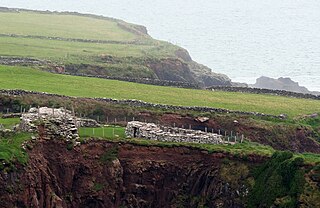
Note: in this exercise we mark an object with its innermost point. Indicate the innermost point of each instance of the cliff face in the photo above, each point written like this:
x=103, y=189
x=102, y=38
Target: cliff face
x=102, y=174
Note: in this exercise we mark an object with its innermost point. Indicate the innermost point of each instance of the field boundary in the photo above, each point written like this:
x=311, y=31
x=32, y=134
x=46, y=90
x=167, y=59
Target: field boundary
x=139, y=103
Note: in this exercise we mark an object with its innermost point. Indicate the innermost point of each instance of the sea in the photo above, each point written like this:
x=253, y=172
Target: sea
x=244, y=39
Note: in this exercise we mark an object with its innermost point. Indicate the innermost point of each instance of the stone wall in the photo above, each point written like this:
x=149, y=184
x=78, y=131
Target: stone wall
x=148, y=81
x=264, y=91
x=151, y=131
x=139, y=103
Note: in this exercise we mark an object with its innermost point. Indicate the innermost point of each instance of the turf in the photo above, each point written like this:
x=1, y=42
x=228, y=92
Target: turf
x=59, y=25
x=32, y=79
x=78, y=52
x=9, y=122
x=103, y=132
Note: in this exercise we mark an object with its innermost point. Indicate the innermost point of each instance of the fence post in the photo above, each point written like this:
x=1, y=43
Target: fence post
x=103, y=131
x=93, y=131
x=113, y=132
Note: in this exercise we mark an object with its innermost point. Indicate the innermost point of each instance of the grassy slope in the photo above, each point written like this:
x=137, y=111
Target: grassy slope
x=58, y=25
x=77, y=52
x=31, y=79
x=73, y=26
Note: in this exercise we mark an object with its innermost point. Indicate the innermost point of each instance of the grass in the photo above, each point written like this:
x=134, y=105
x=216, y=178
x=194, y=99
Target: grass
x=58, y=25
x=103, y=132
x=11, y=78
x=75, y=27
x=11, y=150
x=78, y=52
x=9, y=122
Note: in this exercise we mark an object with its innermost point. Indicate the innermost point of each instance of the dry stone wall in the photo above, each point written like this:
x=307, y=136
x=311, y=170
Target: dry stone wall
x=265, y=91
x=139, y=103
x=151, y=131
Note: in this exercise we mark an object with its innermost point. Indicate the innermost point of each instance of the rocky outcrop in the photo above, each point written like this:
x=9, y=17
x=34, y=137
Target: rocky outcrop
x=206, y=77
x=282, y=84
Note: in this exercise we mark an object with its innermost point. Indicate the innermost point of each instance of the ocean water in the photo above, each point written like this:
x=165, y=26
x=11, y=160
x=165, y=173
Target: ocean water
x=244, y=39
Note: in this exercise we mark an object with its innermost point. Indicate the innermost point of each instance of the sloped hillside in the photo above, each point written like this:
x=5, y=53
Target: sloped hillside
x=96, y=45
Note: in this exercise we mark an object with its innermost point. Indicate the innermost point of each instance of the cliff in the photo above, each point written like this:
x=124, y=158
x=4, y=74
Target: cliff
x=104, y=174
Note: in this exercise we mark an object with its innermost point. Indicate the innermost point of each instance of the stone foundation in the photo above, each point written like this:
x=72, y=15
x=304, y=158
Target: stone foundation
x=151, y=131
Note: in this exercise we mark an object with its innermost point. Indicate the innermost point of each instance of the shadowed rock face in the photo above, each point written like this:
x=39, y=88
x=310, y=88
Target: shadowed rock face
x=281, y=84
x=102, y=174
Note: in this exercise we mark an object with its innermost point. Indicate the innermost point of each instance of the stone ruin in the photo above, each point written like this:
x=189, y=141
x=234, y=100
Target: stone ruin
x=151, y=131
x=50, y=123
x=53, y=123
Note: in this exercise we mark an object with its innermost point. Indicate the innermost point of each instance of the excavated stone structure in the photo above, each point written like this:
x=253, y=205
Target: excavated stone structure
x=50, y=123
x=151, y=131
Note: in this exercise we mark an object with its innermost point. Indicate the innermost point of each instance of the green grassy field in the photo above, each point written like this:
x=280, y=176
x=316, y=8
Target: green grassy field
x=62, y=25
x=9, y=122
x=31, y=79
x=103, y=132
x=75, y=27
